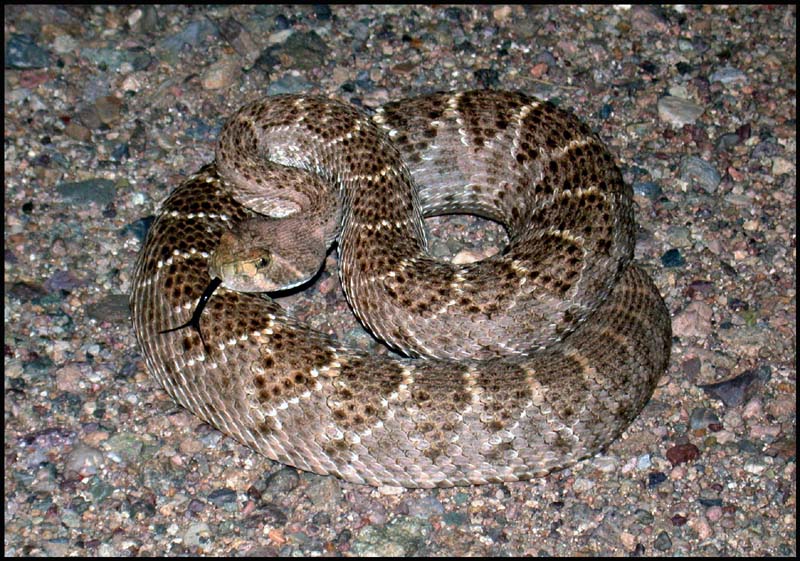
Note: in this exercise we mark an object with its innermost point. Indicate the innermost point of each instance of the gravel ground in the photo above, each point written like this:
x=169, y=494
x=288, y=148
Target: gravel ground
x=108, y=108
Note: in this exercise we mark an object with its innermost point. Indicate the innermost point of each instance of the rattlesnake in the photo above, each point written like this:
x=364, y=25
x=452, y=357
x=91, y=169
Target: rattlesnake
x=520, y=364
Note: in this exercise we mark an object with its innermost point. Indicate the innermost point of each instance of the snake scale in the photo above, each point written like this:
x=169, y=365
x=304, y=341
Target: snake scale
x=517, y=365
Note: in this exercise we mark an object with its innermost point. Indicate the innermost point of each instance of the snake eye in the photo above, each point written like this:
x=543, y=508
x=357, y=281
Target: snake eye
x=262, y=262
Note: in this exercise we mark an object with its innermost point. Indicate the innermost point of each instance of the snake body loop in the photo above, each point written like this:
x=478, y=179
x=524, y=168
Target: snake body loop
x=526, y=362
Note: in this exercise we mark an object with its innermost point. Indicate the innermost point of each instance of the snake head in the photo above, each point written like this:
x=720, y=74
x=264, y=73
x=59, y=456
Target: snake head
x=267, y=255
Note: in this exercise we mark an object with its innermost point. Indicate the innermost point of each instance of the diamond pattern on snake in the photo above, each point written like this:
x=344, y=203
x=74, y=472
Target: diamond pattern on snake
x=511, y=367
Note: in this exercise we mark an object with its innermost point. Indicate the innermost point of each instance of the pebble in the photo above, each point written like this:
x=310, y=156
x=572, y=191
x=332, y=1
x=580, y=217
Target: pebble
x=702, y=527
x=662, y=542
x=198, y=536
x=63, y=280
x=694, y=321
x=765, y=149
x=424, y=507
x=702, y=417
x=647, y=189
x=714, y=513
x=108, y=109
x=782, y=407
x=68, y=378
x=113, y=308
x=281, y=22
x=501, y=13
x=678, y=111
x=582, y=485
x=287, y=84
x=78, y=132
x=697, y=171
x=682, y=453
x=655, y=479
x=728, y=141
x=733, y=392
x=304, y=50
x=126, y=446
x=673, y=258
x=781, y=166
x=752, y=409
x=64, y=44
x=402, y=537
x=99, y=191
x=192, y=35
x=221, y=74
x=728, y=75
x=280, y=483
x=223, y=498
x=84, y=460
x=755, y=466
x=22, y=52
x=322, y=491
x=678, y=236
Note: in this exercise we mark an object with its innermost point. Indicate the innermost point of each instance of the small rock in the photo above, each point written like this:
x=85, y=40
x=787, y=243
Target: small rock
x=728, y=75
x=501, y=13
x=647, y=189
x=220, y=75
x=222, y=498
x=83, y=460
x=68, y=378
x=107, y=109
x=714, y=513
x=781, y=166
x=678, y=111
x=582, y=485
x=125, y=445
x=63, y=44
x=78, y=132
x=697, y=170
x=755, y=466
x=100, y=191
x=701, y=418
x=22, y=53
x=783, y=407
x=682, y=453
x=112, y=308
x=282, y=482
x=198, y=535
x=323, y=490
x=766, y=149
x=734, y=391
x=656, y=478
x=404, y=536
x=307, y=50
x=694, y=321
x=288, y=84
x=752, y=409
x=63, y=280
x=662, y=542
x=678, y=520
x=672, y=258
x=424, y=507
x=322, y=11
x=702, y=527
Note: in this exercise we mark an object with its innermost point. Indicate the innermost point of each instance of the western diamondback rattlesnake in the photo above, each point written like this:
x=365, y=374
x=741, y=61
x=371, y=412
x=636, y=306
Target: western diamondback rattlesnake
x=533, y=359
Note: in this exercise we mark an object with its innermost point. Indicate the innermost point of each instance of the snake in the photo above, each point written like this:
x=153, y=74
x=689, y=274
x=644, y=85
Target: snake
x=504, y=369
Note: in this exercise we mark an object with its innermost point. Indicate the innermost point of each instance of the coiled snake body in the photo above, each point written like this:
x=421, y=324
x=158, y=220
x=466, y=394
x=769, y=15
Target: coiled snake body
x=523, y=363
